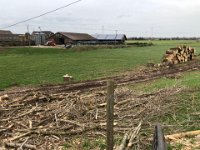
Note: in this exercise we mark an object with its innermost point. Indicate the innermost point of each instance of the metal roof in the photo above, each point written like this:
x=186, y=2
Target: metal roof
x=45, y=32
x=109, y=36
x=77, y=36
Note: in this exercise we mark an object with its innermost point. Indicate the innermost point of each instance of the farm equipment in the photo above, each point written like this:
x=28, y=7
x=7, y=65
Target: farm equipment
x=178, y=55
x=50, y=43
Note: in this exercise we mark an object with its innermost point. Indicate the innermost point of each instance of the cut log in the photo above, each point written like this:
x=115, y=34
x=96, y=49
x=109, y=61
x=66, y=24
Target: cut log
x=175, y=60
x=169, y=52
x=67, y=78
x=182, y=134
x=4, y=97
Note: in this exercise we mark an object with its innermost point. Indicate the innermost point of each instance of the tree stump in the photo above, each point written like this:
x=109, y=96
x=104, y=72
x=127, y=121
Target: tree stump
x=67, y=78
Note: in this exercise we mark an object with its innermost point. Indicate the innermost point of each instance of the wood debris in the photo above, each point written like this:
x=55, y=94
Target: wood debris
x=188, y=140
x=182, y=134
x=49, y=120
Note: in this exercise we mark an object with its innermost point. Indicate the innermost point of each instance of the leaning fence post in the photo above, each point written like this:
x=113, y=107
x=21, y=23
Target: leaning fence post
x=110, y=114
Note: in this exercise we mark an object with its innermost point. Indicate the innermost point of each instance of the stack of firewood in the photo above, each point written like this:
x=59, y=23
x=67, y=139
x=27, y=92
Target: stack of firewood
x=178, y=55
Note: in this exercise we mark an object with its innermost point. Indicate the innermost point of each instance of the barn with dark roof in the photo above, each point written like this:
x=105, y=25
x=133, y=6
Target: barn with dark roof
x=72, y=38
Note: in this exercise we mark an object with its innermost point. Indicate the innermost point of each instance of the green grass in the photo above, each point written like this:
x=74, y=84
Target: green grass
x=34, y=66
x=168, y=42
x=187, y=80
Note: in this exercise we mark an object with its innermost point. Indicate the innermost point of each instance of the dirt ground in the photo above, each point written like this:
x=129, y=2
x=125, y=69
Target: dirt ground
x=49, y=116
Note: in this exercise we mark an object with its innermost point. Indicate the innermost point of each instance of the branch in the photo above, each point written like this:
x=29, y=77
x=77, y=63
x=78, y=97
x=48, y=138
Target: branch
x=134, y=134
x=17, y=145
x=182, y=134
x=71, y=122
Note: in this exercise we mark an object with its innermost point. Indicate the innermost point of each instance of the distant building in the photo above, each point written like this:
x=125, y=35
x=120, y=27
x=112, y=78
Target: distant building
x=73, y=38
x=38, y=38
x=5, y=32
x=41, y=37
x=110, y=38
x=7, y=38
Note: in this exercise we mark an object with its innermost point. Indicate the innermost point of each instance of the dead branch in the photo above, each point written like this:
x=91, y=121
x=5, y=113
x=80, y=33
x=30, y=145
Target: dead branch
x=71, y=122
x=6, y=129
x=134, y=135
x=17, y=145
x=123, y=102
x=20, y=136
x=21, y=147
x=58, y=133
x=128, y=140
x=124, y=142
x=182, y=134
x=101, y=105
x=24, y=114
x=196, y=113
x=132, y=116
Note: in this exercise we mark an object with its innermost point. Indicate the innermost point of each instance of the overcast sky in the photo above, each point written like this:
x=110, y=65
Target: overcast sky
x=157, y=18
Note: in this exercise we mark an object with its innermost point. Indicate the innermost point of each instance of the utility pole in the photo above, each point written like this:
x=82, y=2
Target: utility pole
x=29, y=43
x=115, y=35
x=152, y=32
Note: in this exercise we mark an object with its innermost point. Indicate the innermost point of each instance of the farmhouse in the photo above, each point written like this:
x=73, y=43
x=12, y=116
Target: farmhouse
x=110, y=38
x=73, y=38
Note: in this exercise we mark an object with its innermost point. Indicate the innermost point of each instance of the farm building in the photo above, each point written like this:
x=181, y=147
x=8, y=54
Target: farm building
x=110, y=38
x=41, y=37
x=73, y=38
x=7, y=38
x=5, y=32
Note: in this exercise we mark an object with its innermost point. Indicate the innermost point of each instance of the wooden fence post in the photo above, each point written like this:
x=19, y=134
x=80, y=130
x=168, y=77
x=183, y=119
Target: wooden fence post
x=110, y=114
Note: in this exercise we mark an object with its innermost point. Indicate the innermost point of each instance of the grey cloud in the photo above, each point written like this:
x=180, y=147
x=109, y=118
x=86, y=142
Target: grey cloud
x=134, y=18
x=123, y=16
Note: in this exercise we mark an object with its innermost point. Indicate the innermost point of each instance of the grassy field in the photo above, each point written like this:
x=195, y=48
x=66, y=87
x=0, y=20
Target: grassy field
x=35, y=66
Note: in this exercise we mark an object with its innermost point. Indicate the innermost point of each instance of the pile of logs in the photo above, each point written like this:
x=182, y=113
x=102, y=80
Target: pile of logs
x=178, y=55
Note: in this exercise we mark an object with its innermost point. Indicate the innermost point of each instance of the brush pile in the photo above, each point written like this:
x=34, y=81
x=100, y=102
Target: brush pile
x=38, y=120
x=178, y=55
